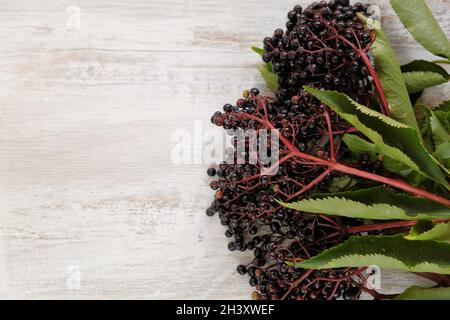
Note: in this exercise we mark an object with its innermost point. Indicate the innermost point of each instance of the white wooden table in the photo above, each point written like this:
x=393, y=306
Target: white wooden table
x=86, y=183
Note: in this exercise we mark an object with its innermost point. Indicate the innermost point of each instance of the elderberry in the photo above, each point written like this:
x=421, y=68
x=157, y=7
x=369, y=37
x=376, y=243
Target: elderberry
x=211, y=172
x=310, y=35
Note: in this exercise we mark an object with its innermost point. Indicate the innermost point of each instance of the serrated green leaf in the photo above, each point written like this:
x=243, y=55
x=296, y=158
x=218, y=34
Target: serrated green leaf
x=443, y=153
x=419, y=20
x=391, y=78
x=421, y=74
x=426, y=127
x=417, y=293
x=439, y=125
x=425, y=66
x=394, y=139
x=421, y=227
x=390, y=252
x=427, y=230
x=378, y=203
x=439, y=132
x=270, y=78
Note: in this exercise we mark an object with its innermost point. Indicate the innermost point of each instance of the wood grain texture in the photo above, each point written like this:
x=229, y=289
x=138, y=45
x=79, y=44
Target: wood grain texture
x=86, y=118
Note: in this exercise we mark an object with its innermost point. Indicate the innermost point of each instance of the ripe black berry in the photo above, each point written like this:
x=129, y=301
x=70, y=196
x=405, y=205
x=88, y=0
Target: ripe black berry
x=274, y=226
x=211, y=172
x=254, y=92
x=267, y=57
x=365, y=157
x=278, y=33
x=210, y=212
x=214, y=185
x=241, y=269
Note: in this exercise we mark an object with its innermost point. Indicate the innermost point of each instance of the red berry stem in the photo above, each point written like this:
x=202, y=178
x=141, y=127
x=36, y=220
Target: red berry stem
x=368, y=63
x=335, y=166
x=297, y=282
x=330, y=135
x=350, y=130
x=377, y=295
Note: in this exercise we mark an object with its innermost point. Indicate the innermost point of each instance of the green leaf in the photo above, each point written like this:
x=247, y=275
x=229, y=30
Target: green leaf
x=417, y=293
x=427, y=137
x=391, y=78
x=418, y=80
x=440, y=124
x=444, y=106
x=421, y=74
x=258, y=50
x=378, y=203
x=270, y=78
x=425, y=66
x=342, y=183
x=421, y=227
x=440, y=134
x=359, y=146
x=427, y=230
x=443, y=153
x=266, y=70
x=390, y=252
x=444, y=118
x=394, y=139
x=419, y=20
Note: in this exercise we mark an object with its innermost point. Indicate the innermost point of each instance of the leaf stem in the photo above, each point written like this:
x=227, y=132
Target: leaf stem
x=350, y=130
x=441, y=61
x=363, y=174
x=387, y=225
x=296, y=283
x=392, y=182
x=381, y=226
x=335, y=166
x=377, y=295
x=330, y=135
x=311, y=184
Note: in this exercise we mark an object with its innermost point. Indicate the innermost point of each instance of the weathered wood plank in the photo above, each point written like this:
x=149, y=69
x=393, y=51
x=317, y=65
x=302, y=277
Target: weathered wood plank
x=86, y=119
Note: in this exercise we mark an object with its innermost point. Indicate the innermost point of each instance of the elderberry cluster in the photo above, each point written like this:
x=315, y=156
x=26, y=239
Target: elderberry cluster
x=246, y=201
x=311, y=49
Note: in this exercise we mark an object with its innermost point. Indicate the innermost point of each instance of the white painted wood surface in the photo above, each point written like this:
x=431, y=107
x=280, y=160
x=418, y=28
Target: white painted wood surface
x=85, y=123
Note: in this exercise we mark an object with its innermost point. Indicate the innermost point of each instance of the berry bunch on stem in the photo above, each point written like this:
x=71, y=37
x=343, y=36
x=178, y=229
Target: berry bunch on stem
x=324, y=46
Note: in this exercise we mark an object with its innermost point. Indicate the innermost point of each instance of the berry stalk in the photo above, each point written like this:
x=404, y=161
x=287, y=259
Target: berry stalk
x=335, y=166
x=368, y=63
